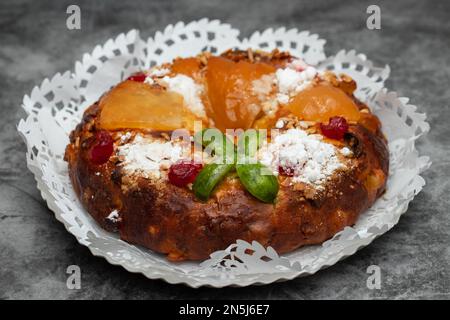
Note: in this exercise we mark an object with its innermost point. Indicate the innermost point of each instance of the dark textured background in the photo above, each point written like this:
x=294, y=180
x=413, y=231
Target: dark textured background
x=35, y=249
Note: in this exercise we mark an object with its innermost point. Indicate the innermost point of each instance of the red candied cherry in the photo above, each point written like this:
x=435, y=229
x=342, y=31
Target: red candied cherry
x=183, y=172
x=103, y=147
x=335, y=129
x=286, y=171
x=138, y=77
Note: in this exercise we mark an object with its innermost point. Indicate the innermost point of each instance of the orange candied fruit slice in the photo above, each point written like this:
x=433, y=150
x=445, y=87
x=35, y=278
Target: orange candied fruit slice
x=321, y=102
x=188, y=66
x=232, y=103
x=135, y=105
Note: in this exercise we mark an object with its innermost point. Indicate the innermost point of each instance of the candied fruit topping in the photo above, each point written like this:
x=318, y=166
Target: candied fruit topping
x=286, y=171
x=335, y=129
x=188, y=66
x=230, y=91
x=321, y=102
x=136, y=105
x=184, y=172
x=138, y=77
x=103, y=148
x=229, y=99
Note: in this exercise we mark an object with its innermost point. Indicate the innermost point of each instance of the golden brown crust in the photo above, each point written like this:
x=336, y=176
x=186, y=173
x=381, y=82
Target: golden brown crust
x=170, y=220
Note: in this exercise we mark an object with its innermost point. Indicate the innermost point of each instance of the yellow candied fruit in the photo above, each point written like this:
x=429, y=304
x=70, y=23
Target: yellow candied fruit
x=135, y=105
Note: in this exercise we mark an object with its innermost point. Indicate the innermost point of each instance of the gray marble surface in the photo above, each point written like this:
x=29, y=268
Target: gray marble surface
x=35, y=249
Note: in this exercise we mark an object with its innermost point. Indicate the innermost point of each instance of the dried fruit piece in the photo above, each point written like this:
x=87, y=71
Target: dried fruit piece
x=136, y=105
x=184, y=172
x=211, y=175
x=233, y=103
x=188, y=66
x=138, y=77
x=102, y=149
x=258, y=181
x=335, y=129
x=321, y=102
x=286, y=171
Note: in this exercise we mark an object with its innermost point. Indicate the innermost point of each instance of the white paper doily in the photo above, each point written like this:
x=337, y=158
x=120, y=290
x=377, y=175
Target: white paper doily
x=56, y=106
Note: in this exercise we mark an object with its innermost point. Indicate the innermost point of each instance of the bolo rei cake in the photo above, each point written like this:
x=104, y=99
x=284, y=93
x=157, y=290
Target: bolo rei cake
x=187, y=157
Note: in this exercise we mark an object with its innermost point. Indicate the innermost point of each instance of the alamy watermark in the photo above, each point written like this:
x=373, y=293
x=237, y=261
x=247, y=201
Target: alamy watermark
x=373, y=22
x=234, y=146
x=74, y=279
x=73, y=21
x=374, y=280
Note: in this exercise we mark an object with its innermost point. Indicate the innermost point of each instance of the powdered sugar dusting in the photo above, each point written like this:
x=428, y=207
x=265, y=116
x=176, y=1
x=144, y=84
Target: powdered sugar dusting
x=278, y=88
x=263, y=86
x=346, y=152
x=292, y=80
x=159, y=72
x=113, y=216
x=298, y=64
x=147, y=157
x=311, y=159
